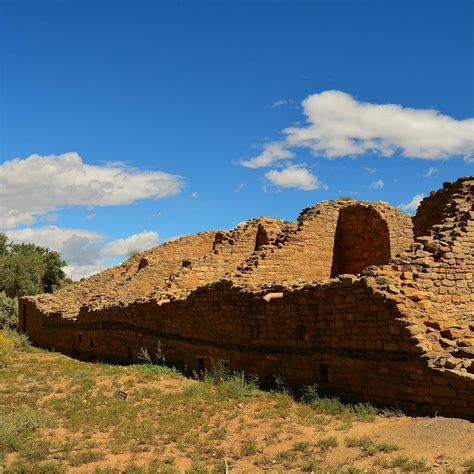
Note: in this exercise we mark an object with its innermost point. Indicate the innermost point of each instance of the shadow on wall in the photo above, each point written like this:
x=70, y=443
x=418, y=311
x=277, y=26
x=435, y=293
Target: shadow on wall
x=362, y=239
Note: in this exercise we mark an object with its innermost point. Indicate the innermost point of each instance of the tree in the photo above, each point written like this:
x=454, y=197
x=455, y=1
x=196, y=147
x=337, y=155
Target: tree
x=27, y=269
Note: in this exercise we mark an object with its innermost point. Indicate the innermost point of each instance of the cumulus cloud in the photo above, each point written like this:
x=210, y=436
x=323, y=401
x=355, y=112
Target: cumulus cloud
x=413, y=204
x=339, y=125
x=294, y=176
x=83, y=250
x=272, y=152
x=133, y=244
x=379, y=184
x=14, y=218
x=75, y=245
x=41, y=184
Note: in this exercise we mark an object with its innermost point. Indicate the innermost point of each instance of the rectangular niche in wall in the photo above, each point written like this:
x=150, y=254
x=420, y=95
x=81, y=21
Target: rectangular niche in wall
x=201, y=364
x=300, y=332
x=324, y=373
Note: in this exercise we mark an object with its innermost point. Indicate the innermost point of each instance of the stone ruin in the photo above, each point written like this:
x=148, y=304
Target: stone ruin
x=356, y=297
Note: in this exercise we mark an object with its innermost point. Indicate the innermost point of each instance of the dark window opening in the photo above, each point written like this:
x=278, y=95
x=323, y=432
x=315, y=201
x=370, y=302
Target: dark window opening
x=225, y=364
x=201, y=364
x=301, y=331
x=91, y=342
x=80, y=338
x=255, y=332
x=324, y=373
x=262, y=237
x=129, y=354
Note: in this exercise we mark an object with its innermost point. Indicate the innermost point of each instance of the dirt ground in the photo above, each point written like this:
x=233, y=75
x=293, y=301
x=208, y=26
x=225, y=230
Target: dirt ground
x=61, y=415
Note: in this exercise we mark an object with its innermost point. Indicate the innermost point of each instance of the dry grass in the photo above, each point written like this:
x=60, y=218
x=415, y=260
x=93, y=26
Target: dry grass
x=61, y=415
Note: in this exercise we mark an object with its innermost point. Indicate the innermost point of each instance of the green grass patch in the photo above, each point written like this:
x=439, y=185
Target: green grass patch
x=404, y=464
x=368, y=446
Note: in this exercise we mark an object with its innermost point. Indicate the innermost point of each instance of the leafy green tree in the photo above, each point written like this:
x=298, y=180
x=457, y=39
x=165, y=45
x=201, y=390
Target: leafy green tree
x=20, y=274
x=53, y=273
x=27, y=269
x=3, y=244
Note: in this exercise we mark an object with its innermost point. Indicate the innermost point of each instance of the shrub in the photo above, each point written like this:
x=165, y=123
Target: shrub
x=6, y=349
x=8, y=312
x=19, y=341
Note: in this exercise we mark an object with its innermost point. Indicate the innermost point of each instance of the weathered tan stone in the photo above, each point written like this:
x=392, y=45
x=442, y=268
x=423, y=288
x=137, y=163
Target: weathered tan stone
x=345, y=297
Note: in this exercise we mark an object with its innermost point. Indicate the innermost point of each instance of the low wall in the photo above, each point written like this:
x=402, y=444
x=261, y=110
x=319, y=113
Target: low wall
x=344, y=335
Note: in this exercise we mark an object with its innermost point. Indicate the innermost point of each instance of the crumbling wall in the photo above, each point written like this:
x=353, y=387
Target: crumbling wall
x=331, y=238
x=230, y=249
x=400, y=333
x=138, y=277
x=347, y=335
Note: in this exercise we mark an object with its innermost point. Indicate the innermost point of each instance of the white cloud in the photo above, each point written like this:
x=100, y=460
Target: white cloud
x=431, y=171
x=133, y=244
x=294, y=176
x=13, y=218
x=77, y=246
x=272, y=152
x=379, y=184
x=413, y=204
x=83, y=250
x=91, y=216
x=76, y=272
x=281, y=103
x=239, y=188
x=195, y=195
x=41, y=184
x=371, y=170
x=339, y=125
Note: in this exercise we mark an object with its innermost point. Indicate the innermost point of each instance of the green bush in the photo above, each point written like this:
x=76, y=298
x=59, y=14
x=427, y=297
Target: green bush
x=8, y=312
x=6, y=350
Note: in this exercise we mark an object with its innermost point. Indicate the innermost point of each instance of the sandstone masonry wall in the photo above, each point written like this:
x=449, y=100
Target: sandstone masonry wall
x=346, y=334
x=260, y=298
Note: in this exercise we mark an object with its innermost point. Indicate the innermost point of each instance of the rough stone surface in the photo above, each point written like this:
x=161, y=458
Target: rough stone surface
x=354, y=296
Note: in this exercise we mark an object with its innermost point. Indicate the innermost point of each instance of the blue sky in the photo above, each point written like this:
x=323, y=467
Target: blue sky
x=146, y=116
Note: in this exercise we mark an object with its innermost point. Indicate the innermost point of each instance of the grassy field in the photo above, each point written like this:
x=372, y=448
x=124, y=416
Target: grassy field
x=62, y=415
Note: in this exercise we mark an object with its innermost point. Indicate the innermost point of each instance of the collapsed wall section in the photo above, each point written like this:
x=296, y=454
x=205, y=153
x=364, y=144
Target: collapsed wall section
x=136, y=278
x=230, y=249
